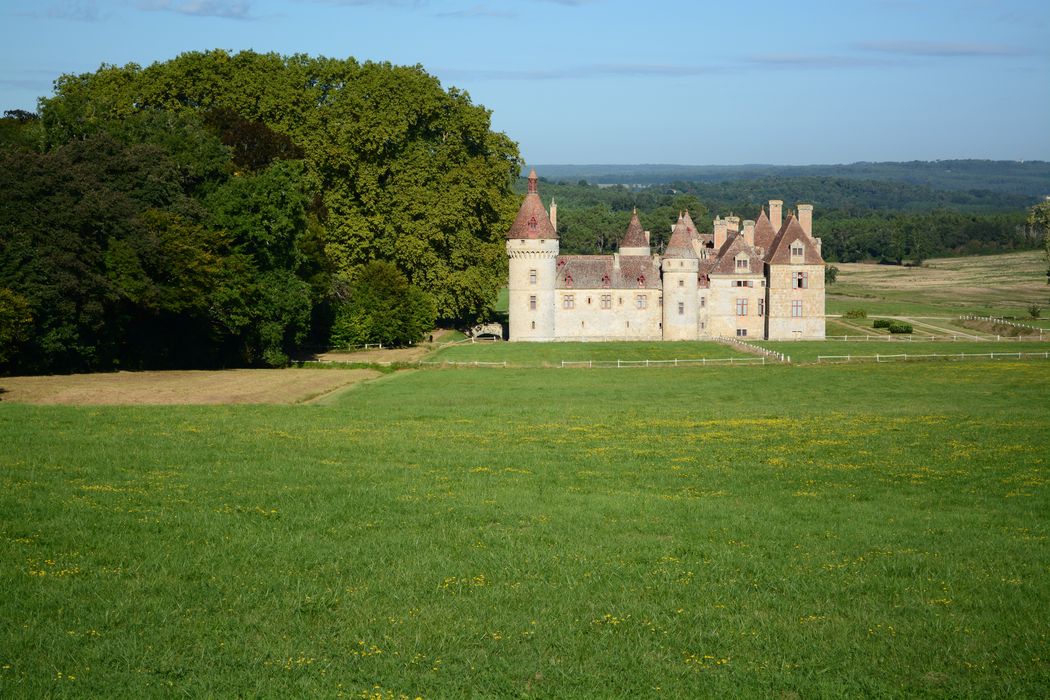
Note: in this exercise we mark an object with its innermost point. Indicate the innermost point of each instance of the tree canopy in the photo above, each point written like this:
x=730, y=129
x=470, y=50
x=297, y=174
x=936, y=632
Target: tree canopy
x=210, y=208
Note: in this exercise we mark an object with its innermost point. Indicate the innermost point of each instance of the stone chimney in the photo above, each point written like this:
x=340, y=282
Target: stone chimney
x=805, y=218
x=721, y=227
x=776, y=212
x=554, y=214
x=749, y=232
x=647, y=238
x=616, y=261
x=734, y=223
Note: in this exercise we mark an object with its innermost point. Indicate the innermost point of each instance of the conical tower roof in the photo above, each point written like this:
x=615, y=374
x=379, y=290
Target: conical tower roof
x=635, y=236
x=532, y=221
x=680, y=244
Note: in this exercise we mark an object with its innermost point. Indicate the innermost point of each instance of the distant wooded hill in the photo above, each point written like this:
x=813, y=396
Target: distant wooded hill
x=1030, y=178
x=889, y=221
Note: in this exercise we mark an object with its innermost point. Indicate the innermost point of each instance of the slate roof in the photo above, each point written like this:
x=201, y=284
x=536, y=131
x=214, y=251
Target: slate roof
x=532, y=221
x=598, y=272
x=635, y=236
x=779, y=252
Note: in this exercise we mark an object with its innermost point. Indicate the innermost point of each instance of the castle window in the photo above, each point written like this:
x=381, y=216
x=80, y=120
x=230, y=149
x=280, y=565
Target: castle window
x=605, y=281
x=568, y=280
x=741, y=307
x=761, y=307
x=681, y=283
x=533, y=325
x=703, y=302
x=532, y=224
x=641, y=280
x=796, y=250
x=796, y=308
x=743, y=264
x=681, y=308
x=621, y=301
x=532, y=303
x=606, y=301
x=628, y=324
x=702, y=325
x=741, y=332
x=799, y=280
x=532, y=277
x=568, y=301
x=641, y=301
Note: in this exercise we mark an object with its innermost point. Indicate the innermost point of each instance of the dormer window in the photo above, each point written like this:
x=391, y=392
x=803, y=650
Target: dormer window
x=605, y=281
x=743, y=264
x=641, y=280
x=533, y=225
x=796, y=250
x=568, y=280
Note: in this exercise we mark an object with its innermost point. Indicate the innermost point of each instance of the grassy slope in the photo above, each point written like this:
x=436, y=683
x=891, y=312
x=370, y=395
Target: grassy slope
x=847, y=530
x=995, y=285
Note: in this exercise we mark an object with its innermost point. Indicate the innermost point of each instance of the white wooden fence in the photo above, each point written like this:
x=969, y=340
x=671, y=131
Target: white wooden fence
x=934, y=356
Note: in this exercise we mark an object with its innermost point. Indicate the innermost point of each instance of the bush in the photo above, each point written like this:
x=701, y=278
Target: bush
x=856, y=313
x=1035, y=310
x=383, y=308
x=899, y=327
x=881, y=323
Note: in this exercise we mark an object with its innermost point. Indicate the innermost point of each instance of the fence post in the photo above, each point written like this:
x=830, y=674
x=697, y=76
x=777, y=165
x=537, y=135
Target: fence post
x=876, y=358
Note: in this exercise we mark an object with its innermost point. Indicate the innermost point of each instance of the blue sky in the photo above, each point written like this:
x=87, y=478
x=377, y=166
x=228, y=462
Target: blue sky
x=615, y=81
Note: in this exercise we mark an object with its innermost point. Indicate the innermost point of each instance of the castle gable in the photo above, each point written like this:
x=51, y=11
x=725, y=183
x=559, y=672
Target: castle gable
x=736, y=249
x=792, y=235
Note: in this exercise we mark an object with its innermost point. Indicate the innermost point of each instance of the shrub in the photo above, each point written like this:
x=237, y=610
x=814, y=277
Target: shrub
x=899, y=327
x=856, y=313
x=383, y=308
x=1035, y=310
x=881, y=323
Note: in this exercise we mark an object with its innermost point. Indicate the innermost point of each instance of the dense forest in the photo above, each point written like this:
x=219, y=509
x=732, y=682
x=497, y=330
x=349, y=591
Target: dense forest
x=219, y=209
x=856, y=219
x=1031, y=177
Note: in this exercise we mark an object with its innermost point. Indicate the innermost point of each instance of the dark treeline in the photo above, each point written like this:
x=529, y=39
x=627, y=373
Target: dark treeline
x=1031, y=178
x=222, y=210
x=857, y=219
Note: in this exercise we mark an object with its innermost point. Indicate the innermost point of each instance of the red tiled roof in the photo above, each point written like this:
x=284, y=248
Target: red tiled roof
x=598, y=272
x=779, y=252
x=764, y=233
x=734, y=245
x=680, y=243
x=533, y=220
x=635, y=236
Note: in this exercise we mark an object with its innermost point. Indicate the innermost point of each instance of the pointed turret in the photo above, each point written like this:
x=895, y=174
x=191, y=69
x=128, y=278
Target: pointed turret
x=532, y=221
x=634, y=241
x=680, y=244
x=764, y=232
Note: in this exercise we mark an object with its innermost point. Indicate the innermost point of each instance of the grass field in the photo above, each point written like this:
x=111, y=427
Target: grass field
x=809, y=351
x=786, y=531
x=534, y=354
x=988, y=285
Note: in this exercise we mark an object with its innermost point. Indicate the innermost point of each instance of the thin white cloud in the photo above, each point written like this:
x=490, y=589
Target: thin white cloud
x=589, y=71
x=478, y=11
x=941, y=48
x=224, y=9
x=78, y=10
x=815, y=61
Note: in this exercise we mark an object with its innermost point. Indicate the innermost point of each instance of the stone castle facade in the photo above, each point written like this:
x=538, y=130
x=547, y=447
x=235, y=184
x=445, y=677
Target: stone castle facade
x=764, y=280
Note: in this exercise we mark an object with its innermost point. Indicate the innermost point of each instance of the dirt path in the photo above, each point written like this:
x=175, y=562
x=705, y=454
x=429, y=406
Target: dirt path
x=235, y=386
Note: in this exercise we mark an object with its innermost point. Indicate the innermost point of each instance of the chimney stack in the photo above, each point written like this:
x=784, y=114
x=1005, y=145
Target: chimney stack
x=734, y=223
x=554, y=214
x=749, y=232
x=776, y=210
x=647, y=238
x=721, y=228
x=805, y=218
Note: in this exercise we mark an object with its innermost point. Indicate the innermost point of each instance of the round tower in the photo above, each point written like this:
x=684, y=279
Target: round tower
x=532, y=249
x=681, y=267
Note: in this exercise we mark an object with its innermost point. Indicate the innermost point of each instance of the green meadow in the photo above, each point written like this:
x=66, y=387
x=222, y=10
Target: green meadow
x=779, y=531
